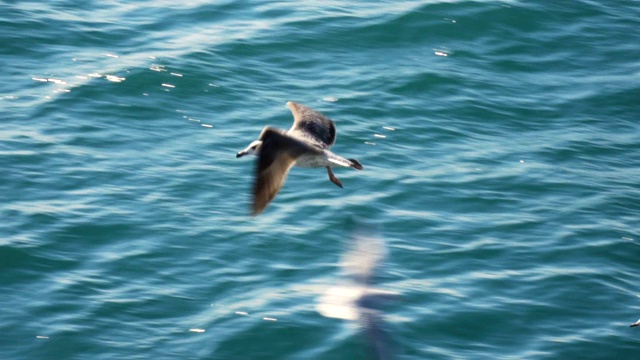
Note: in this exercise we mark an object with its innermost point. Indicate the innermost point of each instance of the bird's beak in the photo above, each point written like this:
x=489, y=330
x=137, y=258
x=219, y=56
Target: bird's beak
x=637, y=323
x=240, y=154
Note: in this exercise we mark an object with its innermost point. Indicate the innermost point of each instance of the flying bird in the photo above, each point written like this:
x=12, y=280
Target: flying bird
x=306, y=144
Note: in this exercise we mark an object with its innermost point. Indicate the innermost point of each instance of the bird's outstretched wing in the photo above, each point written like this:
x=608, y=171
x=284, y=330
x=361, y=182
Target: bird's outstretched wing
x=312, y=125
x=278, y=153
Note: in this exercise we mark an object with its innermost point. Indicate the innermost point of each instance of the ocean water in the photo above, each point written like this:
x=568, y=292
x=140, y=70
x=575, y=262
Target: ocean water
x=501, y=150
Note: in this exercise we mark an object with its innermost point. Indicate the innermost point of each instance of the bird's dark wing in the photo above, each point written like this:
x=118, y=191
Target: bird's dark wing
x=312, y=125
x=278, y=153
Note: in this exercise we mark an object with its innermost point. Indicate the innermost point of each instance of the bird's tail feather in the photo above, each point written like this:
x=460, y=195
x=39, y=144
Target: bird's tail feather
x=356, y=164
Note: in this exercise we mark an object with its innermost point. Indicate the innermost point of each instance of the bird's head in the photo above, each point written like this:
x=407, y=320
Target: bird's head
x=252, y=149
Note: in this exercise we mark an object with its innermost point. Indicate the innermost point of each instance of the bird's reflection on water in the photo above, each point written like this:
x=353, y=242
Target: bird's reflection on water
x=355, y=298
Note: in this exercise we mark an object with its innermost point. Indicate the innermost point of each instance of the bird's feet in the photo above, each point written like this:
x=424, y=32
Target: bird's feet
x=333, y=178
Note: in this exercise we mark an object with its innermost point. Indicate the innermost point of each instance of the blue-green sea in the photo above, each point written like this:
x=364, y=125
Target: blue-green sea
x=501, y=149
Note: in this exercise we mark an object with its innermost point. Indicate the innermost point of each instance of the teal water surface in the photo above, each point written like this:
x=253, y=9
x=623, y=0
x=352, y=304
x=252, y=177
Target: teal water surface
x=501, y=150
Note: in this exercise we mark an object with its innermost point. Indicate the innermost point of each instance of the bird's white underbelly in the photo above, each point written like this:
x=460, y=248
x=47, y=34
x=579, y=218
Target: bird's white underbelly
x=313, y=161
x=325, y=159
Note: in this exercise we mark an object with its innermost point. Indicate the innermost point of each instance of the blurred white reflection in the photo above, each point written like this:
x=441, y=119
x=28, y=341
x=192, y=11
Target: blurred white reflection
x=158, y=68
x=114, y=78
x=441, y=52
x=354, y=298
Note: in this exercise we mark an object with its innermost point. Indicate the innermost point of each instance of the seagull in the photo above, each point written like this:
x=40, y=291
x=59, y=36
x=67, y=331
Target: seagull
x=637, y=323
x=354, y=298
x=306, y=144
